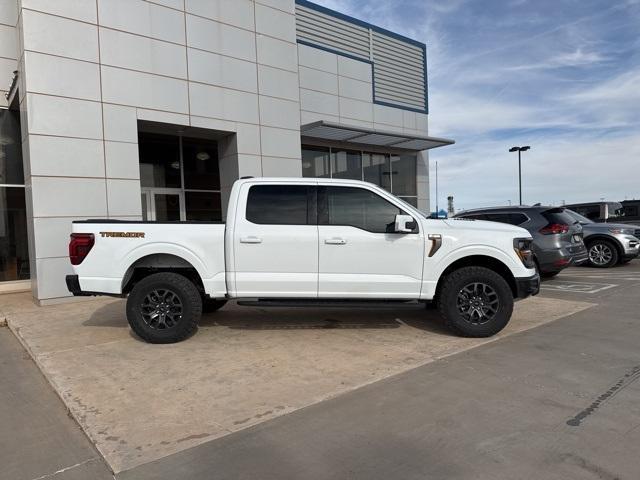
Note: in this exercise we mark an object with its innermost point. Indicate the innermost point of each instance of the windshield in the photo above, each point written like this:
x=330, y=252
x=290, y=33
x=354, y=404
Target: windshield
x=409, y=207
x=578, y=217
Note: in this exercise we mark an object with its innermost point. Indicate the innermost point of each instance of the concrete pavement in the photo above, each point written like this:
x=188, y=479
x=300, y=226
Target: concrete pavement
x=556, y=402
x=38, y=440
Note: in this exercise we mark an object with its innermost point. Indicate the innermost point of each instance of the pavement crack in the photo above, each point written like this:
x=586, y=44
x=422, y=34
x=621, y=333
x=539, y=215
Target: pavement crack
x=626, y=380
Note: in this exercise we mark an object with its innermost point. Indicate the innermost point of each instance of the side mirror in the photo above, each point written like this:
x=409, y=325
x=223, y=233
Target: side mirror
x=405, y=224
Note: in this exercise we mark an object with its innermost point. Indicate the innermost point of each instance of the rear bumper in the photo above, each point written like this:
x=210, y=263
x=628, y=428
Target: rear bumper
x=527, y=286
x=558, y=259
x=73, y=285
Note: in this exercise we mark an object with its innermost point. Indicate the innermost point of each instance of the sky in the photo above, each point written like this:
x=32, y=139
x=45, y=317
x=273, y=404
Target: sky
x=562, y=76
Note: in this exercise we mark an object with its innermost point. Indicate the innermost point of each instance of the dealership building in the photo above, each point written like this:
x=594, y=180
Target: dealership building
x=141, y=109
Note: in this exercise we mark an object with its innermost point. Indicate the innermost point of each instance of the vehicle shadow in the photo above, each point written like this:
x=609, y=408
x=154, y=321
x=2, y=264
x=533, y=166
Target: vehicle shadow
x=323, y=318
x=238, y=317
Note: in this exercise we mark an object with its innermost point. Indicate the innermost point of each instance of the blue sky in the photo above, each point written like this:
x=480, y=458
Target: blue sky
x=560, y=75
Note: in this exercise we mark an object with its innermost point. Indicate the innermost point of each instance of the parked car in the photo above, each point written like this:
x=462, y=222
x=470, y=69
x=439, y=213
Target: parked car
x=599, y=211
x=304, y=242
x=631, y=210
x=557, y=237
x=608, y=244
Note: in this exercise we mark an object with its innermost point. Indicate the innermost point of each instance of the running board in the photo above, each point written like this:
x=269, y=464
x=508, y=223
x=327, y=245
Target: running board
x=331, y=303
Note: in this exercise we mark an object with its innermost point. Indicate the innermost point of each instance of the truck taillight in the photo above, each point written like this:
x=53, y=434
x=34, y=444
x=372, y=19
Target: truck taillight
x=80, y=245
x=554, y=228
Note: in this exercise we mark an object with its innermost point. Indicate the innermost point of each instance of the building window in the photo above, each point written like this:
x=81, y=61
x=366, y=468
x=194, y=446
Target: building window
x=180, y=178
x=14, y=253
x=395, y=173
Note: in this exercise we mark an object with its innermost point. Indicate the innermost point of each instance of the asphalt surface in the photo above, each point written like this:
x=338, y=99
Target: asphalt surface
x=38, y=440
x=555, y=402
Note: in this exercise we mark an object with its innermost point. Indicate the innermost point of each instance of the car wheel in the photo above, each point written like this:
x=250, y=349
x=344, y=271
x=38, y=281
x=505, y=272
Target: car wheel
x=210, y=305
x=164, y=308
x=475, y=302
x=602, y=254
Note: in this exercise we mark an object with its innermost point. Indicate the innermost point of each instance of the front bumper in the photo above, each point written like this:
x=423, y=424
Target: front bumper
x=526, y=286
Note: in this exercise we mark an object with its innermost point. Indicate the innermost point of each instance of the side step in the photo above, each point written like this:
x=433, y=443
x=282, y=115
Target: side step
x=332, y=303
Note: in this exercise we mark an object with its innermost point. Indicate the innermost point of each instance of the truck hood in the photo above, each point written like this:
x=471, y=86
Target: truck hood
x=482, y=225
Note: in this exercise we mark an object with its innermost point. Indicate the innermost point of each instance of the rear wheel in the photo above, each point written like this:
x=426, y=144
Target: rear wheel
x=164, y=308
x=475, y=302
x=602, y=254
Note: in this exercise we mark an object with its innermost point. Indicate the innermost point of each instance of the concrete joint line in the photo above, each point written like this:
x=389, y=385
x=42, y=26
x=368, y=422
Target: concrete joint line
x=66, y=469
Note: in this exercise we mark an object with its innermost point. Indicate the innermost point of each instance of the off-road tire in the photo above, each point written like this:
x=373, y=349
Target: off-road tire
x=187, y=295
x=613, y=261
x=452, y=286
x=210, y=305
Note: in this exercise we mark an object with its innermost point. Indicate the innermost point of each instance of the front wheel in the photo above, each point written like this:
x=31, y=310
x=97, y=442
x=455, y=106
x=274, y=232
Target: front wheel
x=164, y=308
x=475, y=302
x=602, y=254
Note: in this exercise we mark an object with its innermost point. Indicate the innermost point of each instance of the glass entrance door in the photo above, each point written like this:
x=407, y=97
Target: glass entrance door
x=162, y=205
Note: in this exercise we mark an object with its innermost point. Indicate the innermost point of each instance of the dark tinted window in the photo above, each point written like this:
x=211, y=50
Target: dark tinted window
x=474, y=216
x=203, y=206
x=159, y=160
x=357, y=207
x=200, y=163
x=510, y=218
x=10, y=148
x=346, y=164
x=592, y=212
x=278, y=204
x=558, y=215
x=315, y=162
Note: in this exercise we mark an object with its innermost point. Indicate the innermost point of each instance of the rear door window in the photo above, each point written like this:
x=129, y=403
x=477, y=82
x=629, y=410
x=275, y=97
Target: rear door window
x=281, y=205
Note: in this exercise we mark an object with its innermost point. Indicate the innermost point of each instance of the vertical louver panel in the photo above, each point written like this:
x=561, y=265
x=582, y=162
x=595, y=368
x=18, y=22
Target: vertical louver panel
x=399, y=77
x=398, y=69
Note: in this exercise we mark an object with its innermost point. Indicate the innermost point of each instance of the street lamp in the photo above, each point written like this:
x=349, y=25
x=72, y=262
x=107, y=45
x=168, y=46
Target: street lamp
x=519, y=150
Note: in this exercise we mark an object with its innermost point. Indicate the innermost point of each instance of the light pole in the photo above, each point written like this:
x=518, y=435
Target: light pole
x=519, y=150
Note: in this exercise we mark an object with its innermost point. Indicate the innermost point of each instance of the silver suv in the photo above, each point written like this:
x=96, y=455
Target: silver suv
x=608, y=244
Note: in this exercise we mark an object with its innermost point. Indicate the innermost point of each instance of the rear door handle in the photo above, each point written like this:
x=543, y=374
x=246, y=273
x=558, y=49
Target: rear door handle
x=251, y=239
x=335, y=241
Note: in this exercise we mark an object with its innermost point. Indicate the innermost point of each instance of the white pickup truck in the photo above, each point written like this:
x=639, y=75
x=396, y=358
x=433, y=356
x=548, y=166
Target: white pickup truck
x=304, y=242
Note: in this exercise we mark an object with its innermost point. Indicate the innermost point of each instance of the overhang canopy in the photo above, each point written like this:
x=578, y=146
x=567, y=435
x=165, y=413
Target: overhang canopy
x=362, y=136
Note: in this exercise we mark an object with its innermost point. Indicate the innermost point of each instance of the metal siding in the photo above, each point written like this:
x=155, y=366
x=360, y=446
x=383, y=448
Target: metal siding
x=399, y=76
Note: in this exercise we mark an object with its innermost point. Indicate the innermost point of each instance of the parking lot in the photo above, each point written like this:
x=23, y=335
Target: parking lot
x=295, y=393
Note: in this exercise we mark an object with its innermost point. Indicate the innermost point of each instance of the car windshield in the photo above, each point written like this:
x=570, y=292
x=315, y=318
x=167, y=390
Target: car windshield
x=578, y=217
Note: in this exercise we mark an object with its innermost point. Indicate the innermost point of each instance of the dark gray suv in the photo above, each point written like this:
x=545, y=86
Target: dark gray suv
x=557, y=237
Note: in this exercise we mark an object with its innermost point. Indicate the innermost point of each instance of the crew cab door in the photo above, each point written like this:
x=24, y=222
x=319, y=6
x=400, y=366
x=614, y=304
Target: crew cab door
x=360, y=255
x=275, y=241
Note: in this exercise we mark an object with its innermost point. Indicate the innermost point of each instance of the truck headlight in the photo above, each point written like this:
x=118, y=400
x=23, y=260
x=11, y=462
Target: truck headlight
x=522, y=247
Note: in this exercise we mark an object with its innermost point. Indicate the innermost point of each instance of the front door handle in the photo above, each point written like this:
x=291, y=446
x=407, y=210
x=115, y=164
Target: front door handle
x=335, y=241
x=250, y=239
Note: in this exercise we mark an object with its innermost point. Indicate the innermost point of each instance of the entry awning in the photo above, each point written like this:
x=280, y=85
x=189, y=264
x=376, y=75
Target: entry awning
x=361, y=136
